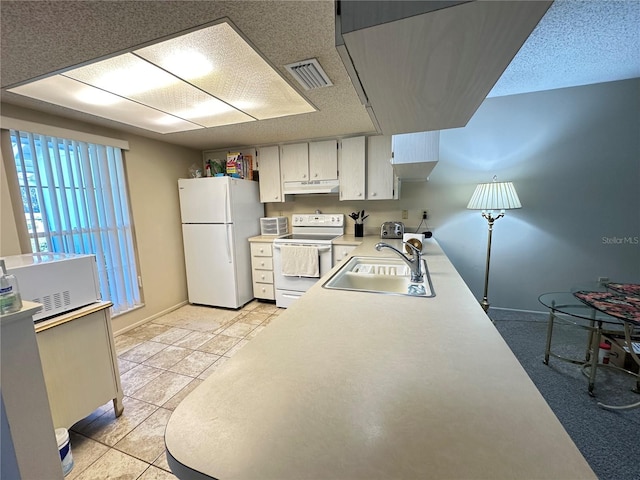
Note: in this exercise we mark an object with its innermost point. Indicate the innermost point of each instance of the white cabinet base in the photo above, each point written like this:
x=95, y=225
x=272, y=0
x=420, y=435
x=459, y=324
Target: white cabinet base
x=79, y=363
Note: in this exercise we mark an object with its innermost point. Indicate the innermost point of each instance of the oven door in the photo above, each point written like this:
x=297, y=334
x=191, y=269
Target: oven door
x=288, y=289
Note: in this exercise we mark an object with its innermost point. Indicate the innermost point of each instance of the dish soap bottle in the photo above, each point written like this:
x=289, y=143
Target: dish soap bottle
x=10, y=300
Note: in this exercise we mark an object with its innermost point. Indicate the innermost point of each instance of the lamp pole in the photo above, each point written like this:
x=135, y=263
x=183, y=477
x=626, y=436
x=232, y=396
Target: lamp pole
x=490, y=220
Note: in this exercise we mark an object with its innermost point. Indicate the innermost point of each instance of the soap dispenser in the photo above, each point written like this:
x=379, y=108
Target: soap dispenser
x=10, y=300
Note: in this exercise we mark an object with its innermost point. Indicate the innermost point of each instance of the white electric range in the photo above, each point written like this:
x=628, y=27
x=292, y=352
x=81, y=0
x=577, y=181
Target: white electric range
x=314, y=232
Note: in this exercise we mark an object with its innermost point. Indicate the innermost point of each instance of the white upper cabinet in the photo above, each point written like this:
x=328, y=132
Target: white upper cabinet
x=382, y=183
x=415, y=155
x=352, y=168
x=323, y=160
x=270, y=184
x=294, y=162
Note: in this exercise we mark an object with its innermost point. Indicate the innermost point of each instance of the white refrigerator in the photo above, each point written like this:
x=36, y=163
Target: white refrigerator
x=219, y=214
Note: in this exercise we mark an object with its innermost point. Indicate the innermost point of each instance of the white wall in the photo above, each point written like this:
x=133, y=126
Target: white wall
x=574, y=157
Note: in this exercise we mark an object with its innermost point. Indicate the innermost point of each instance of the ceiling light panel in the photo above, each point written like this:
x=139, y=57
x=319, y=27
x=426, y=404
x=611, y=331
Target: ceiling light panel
x=228, y=68
x=67, y=92
x=134, y=78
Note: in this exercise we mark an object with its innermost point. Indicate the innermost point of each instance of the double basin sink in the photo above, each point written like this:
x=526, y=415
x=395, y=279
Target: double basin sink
x=380, y=275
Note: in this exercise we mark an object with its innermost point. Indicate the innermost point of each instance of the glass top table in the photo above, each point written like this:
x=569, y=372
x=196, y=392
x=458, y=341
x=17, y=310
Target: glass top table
x=565, y=307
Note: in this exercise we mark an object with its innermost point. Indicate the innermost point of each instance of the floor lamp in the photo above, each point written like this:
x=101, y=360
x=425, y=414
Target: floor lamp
x=490, y=197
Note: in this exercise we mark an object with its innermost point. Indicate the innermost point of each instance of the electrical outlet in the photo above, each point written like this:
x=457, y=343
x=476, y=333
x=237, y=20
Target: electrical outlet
x=405, y=214
x=603, y=280
x=424, y=214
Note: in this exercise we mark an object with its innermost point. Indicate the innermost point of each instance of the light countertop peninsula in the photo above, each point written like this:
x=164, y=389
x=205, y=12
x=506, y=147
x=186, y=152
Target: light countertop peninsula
x=354, y=385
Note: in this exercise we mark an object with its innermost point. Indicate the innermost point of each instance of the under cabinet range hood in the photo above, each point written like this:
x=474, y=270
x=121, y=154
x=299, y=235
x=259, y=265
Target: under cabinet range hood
x=311, y=187
x=424, y=66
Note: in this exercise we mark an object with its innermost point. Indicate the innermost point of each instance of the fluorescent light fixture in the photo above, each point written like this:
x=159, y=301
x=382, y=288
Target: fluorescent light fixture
x=205, y=78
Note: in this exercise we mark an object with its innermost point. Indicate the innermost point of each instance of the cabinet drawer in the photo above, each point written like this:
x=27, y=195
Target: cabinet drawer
x=263, y=290
x=259, y=249
x=262, y=263
x=263, y=276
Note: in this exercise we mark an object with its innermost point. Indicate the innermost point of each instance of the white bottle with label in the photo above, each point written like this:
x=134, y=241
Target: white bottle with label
x=10, y=300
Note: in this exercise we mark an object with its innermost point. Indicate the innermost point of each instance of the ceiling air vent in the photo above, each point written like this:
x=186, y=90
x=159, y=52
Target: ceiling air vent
x=309, y=74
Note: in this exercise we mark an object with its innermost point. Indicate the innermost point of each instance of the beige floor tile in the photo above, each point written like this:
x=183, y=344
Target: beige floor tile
x=114, y=465
x=161, y=389
x=254, y=318
x=233, y=350
x=146, y=441
x=148, y=330
x=161, y=462
x=125, y=343
x=173, y=402
x=98, y=412
x=125, y=365
x=218, y=363
x=268, y=308
x=194, y=340
x=219, y=345
x=269, y=319
x=254, y=333
x=252, y=305
x=168, y=357
x=155, y=473
x=239, y=329
x=110, y=430
x=172, y=335
x=143, y=351
x=194, y=364
x=138, y=377
x=84, y=452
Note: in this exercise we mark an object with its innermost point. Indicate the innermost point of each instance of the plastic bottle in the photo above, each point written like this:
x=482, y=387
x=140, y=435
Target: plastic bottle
x=10, y=300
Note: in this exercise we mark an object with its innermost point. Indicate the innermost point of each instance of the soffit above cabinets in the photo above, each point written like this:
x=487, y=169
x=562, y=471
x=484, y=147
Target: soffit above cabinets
x=431, y=71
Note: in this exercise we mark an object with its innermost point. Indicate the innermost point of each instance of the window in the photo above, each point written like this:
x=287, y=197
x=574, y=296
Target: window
x=75, y=201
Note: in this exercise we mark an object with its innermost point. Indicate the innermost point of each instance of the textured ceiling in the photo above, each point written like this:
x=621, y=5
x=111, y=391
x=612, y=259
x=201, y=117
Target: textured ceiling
x=578, y=42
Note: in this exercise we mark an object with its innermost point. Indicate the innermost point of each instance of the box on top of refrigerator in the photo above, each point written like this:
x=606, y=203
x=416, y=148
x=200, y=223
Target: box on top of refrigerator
x=59, y=281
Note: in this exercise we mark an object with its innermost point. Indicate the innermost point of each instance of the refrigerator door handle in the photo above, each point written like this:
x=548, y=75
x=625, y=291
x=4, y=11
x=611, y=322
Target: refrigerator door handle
x=228, y=243
x=226, y=204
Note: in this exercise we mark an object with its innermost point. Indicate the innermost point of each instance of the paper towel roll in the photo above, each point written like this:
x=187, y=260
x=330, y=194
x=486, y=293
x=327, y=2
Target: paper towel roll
x=416, y=237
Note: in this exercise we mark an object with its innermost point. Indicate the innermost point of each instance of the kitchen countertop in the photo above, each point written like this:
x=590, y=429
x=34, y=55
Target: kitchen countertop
x=352, y=385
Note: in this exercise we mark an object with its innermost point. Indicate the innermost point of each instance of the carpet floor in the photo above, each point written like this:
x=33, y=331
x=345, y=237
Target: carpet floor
x=609, y=440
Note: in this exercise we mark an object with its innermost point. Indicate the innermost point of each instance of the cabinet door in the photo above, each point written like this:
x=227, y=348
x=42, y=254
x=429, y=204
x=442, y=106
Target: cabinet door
x=419, y=146
x=352, y=168
x=340, y=252
x=270, y=186
x=323, y=160
x=381, y=181
x=294, y=162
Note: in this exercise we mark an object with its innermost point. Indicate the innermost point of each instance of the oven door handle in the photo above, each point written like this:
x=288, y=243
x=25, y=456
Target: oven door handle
x=320, y=249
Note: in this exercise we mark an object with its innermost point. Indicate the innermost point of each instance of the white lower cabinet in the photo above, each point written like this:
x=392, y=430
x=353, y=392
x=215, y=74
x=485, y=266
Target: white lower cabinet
x=262, y=270
x=340, y=252
x=79, y=363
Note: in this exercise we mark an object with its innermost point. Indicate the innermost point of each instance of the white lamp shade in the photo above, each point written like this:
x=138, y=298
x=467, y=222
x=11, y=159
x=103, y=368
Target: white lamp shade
x=494, y=196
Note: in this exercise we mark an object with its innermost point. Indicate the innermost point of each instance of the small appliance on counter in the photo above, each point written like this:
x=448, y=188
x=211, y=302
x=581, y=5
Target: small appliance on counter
x=392, y=230
x=61, y=282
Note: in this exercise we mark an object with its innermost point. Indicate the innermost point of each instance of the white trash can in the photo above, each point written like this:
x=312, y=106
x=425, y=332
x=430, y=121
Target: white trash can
x=64, y=447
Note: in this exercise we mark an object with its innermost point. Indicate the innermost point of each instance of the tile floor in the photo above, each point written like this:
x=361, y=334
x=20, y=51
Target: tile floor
x=160, y=363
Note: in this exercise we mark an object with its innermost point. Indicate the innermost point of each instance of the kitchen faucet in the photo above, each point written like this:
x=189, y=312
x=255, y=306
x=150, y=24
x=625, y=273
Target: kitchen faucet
x=415, y=262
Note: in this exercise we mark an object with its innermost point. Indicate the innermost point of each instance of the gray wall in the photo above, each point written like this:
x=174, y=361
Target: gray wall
x=574, y=157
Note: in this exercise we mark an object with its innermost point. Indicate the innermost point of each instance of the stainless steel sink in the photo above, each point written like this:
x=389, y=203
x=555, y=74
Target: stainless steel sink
x=380, y=275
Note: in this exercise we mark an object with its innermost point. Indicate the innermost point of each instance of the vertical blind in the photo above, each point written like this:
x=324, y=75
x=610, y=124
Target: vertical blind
x=75, y=201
